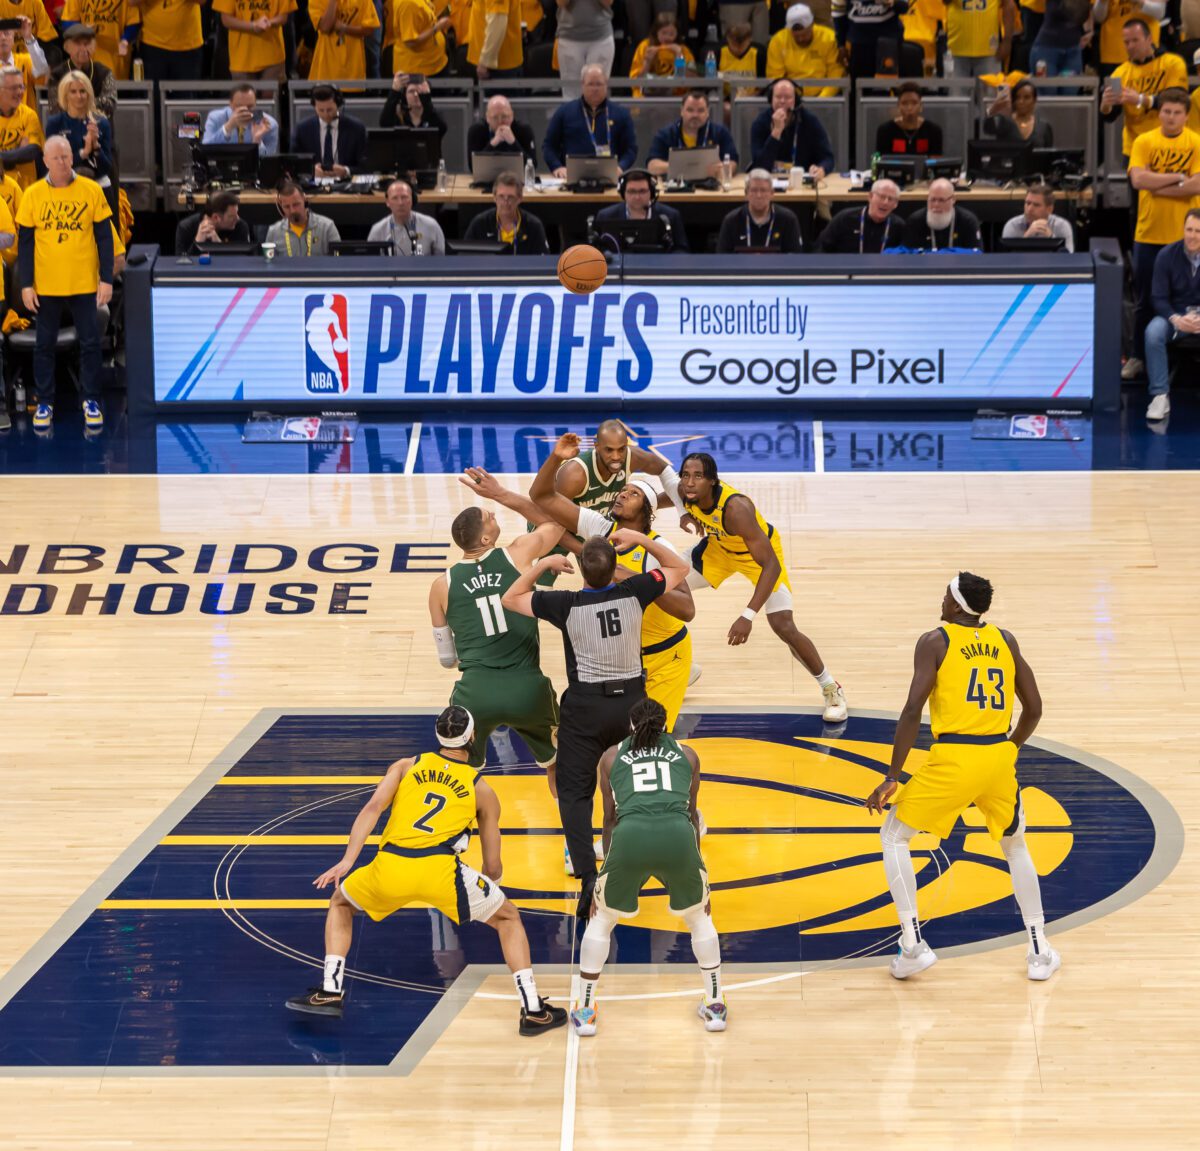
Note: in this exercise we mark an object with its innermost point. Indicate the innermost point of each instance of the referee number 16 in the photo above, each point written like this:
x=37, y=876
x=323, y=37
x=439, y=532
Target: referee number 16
x=652, y=775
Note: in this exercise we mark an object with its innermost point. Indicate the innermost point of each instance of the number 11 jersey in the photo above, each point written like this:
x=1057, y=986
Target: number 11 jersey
x=485, y=635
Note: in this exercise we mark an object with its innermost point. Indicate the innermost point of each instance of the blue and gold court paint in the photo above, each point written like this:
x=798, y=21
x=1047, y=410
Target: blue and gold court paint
x=182, y=955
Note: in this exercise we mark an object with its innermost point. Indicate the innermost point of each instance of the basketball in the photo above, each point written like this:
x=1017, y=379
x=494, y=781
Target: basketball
x=582, y=269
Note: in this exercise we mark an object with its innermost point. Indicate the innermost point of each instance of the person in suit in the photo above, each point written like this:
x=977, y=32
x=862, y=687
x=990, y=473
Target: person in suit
x=499, y=131
x=522, y=231
x=590, y=126
x=337, y=139
x=240, y=122
x=636, y=188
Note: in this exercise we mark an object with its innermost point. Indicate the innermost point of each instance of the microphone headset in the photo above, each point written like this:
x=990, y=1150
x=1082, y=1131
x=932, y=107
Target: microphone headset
x=637, y=174
x=323, y=92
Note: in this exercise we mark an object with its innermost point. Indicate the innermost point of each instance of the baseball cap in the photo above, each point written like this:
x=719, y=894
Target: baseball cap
x=79, y=32
x=799, y=14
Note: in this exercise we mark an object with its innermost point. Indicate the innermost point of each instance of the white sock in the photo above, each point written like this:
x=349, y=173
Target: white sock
x=335, y=970
x=1026, y=886
x=706, y=946
x=527, y=990
x=593, y=953
x=823, y=678
x=902, y=880
x=587, y=991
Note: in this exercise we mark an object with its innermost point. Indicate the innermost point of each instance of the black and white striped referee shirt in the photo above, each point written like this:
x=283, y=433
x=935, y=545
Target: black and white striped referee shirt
x=602, y=627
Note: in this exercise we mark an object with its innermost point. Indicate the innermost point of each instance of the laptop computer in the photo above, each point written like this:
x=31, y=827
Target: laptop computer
x=692, y=164
x=486, y=166
x=593, y=171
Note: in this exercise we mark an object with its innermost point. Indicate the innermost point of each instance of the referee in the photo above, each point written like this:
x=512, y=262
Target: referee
x=602, y=636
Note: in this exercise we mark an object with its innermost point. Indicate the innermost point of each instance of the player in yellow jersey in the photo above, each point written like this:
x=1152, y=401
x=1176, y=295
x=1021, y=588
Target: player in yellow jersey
x=434, y=800
x=969, y=671
x=738, y=541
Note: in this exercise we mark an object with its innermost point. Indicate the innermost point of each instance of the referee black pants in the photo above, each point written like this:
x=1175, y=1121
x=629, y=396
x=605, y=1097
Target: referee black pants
x=592, y=717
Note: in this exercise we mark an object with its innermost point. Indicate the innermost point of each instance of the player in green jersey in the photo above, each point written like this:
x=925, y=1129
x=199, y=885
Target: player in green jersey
x=649, y=784
x=497, y=651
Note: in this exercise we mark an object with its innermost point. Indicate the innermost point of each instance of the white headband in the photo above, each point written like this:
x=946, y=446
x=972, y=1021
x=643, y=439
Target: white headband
x=961, y=599
x=646, y=488
x=459, y=740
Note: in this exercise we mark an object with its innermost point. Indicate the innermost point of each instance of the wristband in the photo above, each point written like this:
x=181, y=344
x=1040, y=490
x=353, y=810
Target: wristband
x=749, y=613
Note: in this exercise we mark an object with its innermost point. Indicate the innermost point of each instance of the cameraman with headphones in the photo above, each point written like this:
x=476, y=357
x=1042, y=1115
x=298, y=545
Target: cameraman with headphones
x=410, y=233
x=636, y=187
x=301, y=232
x=336, y=138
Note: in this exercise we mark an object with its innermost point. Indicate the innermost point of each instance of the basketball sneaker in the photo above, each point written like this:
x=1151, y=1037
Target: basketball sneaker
x=547, y=1019
x=907, y=963
x=835, y=704
x=1043, y=965
x=93, y=417
x=1133, y=369
x=703, y=827
x=715, y=1015
x=44, y=416
x=1160, y=407
x=583, y=1019
x=318, y=1001
x=696, y=672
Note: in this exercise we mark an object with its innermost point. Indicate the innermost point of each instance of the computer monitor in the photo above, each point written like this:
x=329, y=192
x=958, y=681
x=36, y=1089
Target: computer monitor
x=596, y=171
x=692, y=164
x=943, y=167
x=233, y=248
x=381, y=151
x=1000, y=160
x=637, y=235
x=295, y=166
x=1057, y=162
x=226, y=164
x=486, y=166
x=901, y=169
x=417, y=149
x=1032, y=243
x=361, y=247
x=477, y=247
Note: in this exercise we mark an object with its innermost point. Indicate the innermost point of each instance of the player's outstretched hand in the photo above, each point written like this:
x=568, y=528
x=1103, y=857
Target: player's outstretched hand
x=879, y=797
x=557, y=563
x=740, y=632
x=686, y=521
x=334, y=875
x=625, y=538
x=481, y=482
x=567, y=447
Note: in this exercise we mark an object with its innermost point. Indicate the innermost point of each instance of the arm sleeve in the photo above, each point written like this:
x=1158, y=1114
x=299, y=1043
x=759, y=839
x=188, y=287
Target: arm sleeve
x=269, y=144
x=493, y=38
x=592, y=523
x=1161, y=291
x=37, y=57
x=774, y=68
x=104, y=245
x=213, y=124
x=552, y=606
x=626, y=144
x=388, y=117
x=660, y=146
x=555, y=140
x=1153, y=9
x=647, y=586
x=822, y=149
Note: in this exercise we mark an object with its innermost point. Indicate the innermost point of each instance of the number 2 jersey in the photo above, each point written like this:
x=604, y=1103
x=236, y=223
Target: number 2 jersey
x=973, y=692
x=653, y=781
x=434, y=806
x=485, y=635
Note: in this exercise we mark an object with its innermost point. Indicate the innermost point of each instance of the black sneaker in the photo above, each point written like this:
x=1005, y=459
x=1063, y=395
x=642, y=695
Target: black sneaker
x=545, y=1020
x=583, y=909
x=318, y=1001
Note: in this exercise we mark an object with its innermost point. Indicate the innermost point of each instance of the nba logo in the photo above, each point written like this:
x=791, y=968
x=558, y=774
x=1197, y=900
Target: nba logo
x=1028, y=427
x=326, y=344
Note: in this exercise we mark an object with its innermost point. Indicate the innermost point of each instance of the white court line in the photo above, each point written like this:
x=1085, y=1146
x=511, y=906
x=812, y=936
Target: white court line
x=566, y=1140
x=414, y=442
x=819, y=447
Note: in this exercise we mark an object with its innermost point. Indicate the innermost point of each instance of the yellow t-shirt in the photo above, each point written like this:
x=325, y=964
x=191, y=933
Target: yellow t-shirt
x=254, y=51
x=531, y=14
x=172, y=25
x=921, y=23
x=664, y=64
x=338, y=57
x=512, y=51
x=973, y=27
x=10, y=193
x=820, y=58
x=746, y=65
x=1156, y=75
x=1193, y=120
x=43, y=26
x=1120, y=12
x=460, y=20
x=1160, y=218
x=23, y=61
x=409, y=19
x=110, y=18
x=65, y=259
x=22, y=122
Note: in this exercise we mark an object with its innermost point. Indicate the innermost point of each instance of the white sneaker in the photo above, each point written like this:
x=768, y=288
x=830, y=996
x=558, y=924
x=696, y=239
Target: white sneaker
x=907, y=963
x=703, y=827
x=567, y=861
x=1134, y=369
x=835, y=703
x=1160, y=407
x=715, y=1015
x=696, y=672
x=1043, y=965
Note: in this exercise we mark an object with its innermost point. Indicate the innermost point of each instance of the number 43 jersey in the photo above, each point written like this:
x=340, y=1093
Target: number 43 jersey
x=653, y=781
x=434, y=805
x=485, y=635
x=973, y=693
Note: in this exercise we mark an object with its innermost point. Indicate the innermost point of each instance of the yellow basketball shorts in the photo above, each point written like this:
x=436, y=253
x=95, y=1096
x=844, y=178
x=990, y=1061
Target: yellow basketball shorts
x=957, y=775
x=667, y=675
x=715, y=565
x=390, y=882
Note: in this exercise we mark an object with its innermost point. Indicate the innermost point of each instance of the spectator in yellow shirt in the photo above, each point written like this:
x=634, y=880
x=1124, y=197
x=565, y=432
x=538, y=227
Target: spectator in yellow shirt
x=172, y=39
x=342, y=28
x=116, y=28
x=740, y=56
x=1111, y=16
x=1164, y=168
x=979, y=36
x=495, y=48
x=656, y=55
x=1143, y=76
x=35, y=12
x=32, y=62
x=21, y=135
x=255, y=27
x=803, y=49
x=10, y=193
x=418, y=38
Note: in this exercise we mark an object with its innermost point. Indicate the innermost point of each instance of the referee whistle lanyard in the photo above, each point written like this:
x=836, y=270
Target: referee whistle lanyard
x=862, y=231
x=592, y=118
x=770, y=228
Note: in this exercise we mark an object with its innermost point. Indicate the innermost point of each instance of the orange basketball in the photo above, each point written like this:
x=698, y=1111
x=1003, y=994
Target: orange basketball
x=582, y=269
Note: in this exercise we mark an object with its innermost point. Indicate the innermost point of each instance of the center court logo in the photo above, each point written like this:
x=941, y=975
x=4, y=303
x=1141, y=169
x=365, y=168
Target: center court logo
x=326, y=344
